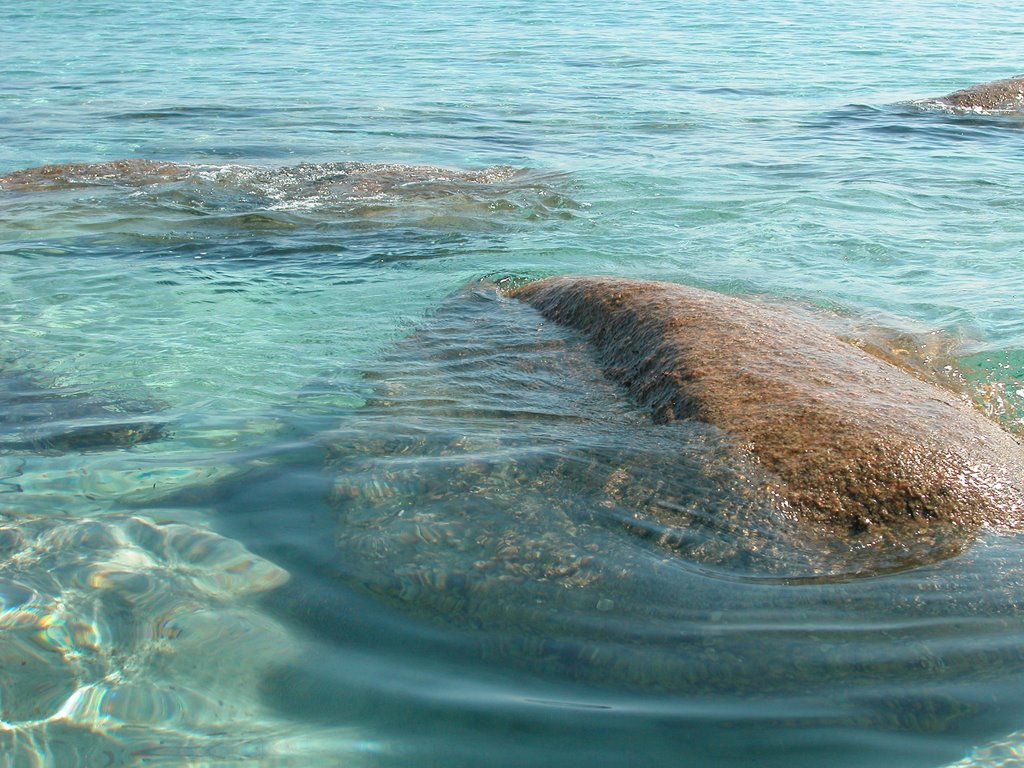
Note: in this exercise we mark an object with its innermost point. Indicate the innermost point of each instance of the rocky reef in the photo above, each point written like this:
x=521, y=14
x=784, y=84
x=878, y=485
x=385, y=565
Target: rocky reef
x=848, y=446
x=997, y=96
x=133, y=171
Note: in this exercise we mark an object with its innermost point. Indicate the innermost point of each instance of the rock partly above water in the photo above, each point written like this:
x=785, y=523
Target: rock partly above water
x=494, y=467
x=133, y=171
x=997, y=96
x=853, y=447
x=502, y=491
x=362, y=179
x=243, y=197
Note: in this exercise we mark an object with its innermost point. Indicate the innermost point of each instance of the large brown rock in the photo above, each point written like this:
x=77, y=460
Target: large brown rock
x=849, y=445
x=997, y=96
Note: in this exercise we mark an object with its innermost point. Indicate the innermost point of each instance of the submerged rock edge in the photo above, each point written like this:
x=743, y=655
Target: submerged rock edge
x=858, y=446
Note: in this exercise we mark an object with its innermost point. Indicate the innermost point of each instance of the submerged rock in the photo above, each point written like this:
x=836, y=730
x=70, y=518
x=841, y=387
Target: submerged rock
x=124, y=634
x=36, y=418
x=242, y=198
x=498, y=502
x=496, y=468
x=852, y=448
x=997, y=96
x=133, y=171
x=364, y=180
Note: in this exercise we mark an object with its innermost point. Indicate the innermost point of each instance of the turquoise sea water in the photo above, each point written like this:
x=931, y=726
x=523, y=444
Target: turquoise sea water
x=276, y=488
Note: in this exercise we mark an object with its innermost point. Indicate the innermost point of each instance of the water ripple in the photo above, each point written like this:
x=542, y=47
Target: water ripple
x=125, y=195
x=101, y=621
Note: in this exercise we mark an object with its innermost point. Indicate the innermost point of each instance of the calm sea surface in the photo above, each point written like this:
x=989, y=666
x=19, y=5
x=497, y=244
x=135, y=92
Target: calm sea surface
x=285, y=481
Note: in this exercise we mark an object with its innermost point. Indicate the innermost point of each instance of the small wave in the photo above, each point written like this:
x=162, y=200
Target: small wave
x=191, y=112
x=968, y=115
x=920, y=124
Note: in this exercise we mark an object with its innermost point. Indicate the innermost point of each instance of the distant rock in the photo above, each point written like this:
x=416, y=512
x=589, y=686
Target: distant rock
x=996, y=96
x=364, y=180
x=35, y=418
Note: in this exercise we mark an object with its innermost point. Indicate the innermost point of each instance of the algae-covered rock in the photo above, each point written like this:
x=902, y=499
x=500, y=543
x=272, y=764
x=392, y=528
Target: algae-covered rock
x=354, y=179
x=997, y=96
x=500, y=501
x=853, y=449
x=133, y=171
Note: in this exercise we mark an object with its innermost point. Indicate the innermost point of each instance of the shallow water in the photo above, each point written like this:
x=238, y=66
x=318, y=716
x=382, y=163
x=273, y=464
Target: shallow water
x=276, y=489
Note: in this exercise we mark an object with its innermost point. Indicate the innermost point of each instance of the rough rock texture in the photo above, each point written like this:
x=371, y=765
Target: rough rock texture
x=133, y=171
x=362, y=179
x=853, y=445
x=997, y=96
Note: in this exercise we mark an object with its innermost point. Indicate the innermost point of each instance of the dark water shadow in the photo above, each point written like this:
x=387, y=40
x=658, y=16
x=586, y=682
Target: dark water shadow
x=37, y=418
x=913, y=124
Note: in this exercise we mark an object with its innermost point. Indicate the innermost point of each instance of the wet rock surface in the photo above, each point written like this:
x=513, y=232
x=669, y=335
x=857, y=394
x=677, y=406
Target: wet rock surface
x=856, y=450
x=355, y=178
x=997, y=96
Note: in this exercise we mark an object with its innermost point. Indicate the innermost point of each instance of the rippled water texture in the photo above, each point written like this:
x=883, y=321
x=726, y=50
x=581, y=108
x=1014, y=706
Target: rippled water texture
x=284, y=478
